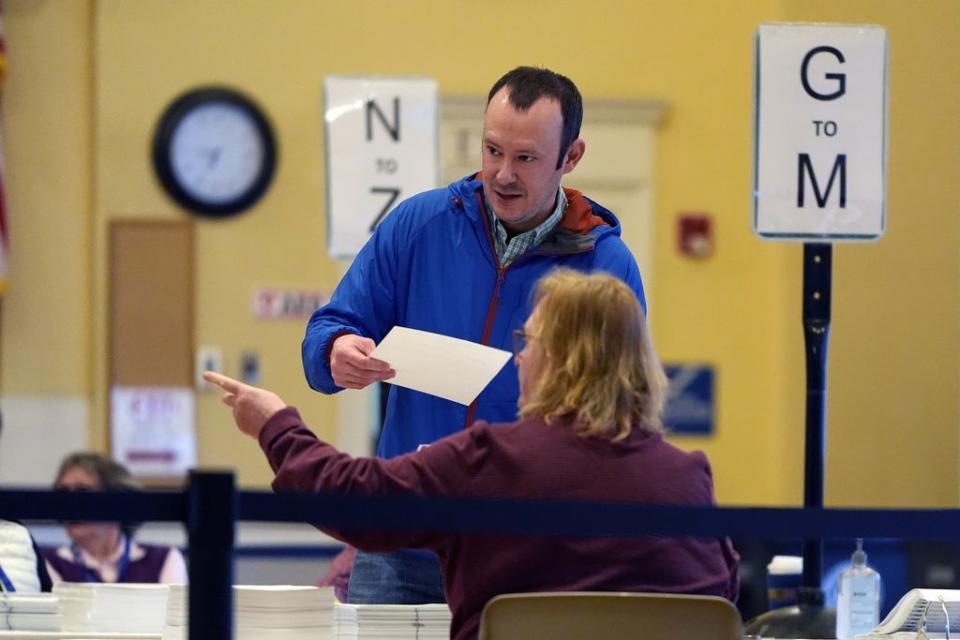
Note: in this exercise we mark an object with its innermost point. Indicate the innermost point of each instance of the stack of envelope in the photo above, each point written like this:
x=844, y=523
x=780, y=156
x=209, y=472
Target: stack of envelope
x=112, y=608
x=29, y=612
x=265, y=613
x=392, y=621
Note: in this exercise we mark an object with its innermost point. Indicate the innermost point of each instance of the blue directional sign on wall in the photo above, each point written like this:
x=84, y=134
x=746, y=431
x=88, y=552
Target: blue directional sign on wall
x=690, y=404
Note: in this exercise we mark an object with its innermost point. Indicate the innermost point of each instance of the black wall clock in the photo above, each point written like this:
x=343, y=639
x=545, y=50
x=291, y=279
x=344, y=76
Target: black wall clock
x=214, y=151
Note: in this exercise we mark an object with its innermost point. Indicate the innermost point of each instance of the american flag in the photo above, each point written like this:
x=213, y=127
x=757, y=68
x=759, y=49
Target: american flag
x=4, y=238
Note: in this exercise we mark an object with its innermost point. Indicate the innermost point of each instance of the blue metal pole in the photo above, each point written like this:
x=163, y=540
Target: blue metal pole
x=817, y=265
x=211, y=521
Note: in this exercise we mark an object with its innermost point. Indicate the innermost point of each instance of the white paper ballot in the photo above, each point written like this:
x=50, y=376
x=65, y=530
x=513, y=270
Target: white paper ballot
x=450, y=368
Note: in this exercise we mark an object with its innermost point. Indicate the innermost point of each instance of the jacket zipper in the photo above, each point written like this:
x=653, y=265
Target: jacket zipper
x=495, y=298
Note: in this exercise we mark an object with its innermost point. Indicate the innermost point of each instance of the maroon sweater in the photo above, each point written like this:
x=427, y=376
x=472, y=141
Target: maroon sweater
x=523, y=460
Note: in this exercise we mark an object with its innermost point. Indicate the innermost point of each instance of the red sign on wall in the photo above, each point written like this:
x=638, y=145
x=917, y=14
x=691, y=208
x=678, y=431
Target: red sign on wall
x=275, y=303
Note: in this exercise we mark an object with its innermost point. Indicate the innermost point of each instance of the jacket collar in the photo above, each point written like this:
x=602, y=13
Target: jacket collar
x=582, y=216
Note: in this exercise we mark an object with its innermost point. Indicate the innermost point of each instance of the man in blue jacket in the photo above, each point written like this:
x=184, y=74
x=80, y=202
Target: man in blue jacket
x=462, y=261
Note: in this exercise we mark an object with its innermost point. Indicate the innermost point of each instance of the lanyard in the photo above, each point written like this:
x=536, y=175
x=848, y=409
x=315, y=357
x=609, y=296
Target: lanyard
x=90, y=576
x=6, y=581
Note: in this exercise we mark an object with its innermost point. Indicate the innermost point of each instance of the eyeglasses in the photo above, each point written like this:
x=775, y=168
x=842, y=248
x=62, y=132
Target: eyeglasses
x=520, y=338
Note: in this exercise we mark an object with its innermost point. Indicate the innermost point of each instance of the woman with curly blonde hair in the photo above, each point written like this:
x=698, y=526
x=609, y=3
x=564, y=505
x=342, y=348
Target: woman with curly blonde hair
x=595, y=358
x=591, y=393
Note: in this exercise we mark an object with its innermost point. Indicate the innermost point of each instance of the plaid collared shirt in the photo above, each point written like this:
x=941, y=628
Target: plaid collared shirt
x=509, y=249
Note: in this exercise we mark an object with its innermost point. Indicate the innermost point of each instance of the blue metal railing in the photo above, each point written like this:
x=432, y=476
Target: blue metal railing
x=210, y=507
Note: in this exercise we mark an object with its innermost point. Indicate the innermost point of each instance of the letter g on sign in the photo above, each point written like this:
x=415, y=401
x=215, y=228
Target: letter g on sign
x=841, y=78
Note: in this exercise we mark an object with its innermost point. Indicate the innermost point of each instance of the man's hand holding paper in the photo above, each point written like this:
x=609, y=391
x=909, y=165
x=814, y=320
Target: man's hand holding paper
x=351, y=365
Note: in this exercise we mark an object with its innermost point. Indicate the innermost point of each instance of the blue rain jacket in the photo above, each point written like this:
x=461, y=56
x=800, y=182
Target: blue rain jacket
x=431, y=265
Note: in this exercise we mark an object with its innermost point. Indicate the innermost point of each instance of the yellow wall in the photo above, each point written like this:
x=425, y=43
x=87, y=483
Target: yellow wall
x=895, y=351
x=47, y=119
x=891, y=389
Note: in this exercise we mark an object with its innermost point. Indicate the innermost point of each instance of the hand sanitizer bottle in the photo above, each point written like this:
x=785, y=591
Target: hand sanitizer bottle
x=858, y=597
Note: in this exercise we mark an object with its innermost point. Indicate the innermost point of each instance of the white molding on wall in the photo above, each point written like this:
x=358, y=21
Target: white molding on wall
x=648, y=111
x=617, y=169
x=38, y=430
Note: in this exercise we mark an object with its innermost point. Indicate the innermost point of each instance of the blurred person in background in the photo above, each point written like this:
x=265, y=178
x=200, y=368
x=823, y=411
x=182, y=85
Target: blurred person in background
x=591, y=394
x=338, y=573
x=22, y=569
x=106, y=551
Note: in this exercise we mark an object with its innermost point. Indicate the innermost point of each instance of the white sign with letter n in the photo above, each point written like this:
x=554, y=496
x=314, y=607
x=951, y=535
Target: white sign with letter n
x=820, y=157
x=381, y=149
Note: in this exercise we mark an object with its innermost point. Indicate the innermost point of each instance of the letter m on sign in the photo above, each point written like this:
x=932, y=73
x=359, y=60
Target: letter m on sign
x=805, y=168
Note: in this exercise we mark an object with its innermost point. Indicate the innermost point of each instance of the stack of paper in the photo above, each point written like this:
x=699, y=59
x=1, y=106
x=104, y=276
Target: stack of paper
x=264, y=613
x=29, y=612
x=389, y=621
x=112, y=608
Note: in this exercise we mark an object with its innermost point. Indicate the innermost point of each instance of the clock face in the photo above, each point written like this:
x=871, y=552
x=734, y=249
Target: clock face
x=214, y=152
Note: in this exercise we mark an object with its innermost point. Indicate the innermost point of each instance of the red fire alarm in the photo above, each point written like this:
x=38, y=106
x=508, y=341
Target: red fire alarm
x=695, y=235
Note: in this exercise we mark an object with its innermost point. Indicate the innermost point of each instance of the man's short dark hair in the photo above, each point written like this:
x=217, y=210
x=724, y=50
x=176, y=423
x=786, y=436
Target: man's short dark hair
x=529, y=84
